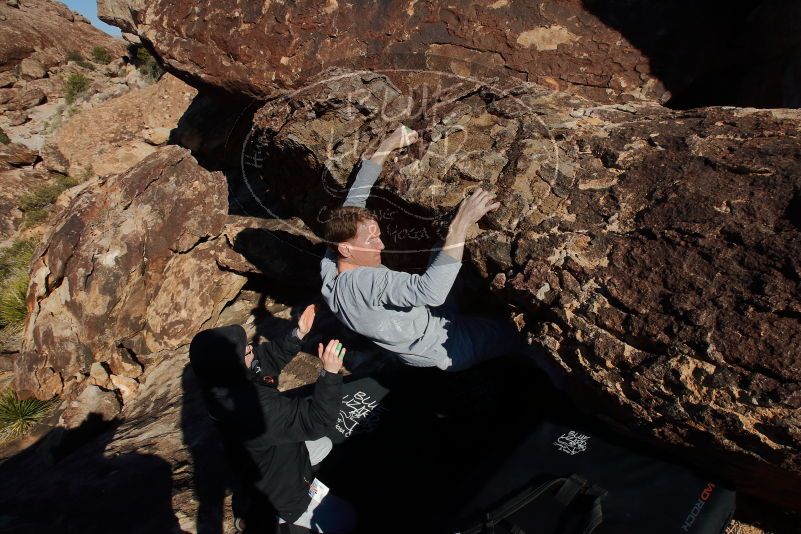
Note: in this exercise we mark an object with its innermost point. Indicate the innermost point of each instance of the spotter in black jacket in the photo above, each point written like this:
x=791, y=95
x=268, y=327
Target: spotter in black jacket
x=264, y=432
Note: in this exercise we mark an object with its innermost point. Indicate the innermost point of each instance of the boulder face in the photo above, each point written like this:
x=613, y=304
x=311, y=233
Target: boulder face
x=654, y=254
x=608, y=51
x=125, y=273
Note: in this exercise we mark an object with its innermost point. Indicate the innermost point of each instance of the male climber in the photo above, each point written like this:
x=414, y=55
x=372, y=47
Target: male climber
x=401, y=312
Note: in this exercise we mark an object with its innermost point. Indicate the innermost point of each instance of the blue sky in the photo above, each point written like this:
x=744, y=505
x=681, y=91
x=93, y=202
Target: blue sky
x=88, y=8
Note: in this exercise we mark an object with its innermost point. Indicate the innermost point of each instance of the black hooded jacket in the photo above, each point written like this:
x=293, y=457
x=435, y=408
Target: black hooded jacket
x=263, y=430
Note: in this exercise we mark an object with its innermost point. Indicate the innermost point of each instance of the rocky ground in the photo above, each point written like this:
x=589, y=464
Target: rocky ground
x=650, y=254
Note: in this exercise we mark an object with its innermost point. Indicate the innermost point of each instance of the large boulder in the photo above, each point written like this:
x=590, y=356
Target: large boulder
x=16, y=155
x=26, y=98
x=48, y=58
x=53, y=160
x=121, y=14
x=654, y=254
x=128, y=269
x=16, y=118
x=608, y=51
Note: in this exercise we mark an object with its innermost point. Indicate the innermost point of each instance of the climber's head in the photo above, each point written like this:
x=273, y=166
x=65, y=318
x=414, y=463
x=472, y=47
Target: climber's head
x=354, y=235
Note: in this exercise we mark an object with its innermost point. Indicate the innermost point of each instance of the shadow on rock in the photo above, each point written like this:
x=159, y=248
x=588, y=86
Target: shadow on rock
x=742, y=53
x=219, y=464
x=211, y=476
x=287, y=258
x=65, y=483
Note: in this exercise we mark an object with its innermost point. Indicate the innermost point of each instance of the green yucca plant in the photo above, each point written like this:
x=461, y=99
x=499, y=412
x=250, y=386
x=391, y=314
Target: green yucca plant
x=14, y=263
x=12, y=300
x=18, y=417
x=15, y=257
x=35, y=203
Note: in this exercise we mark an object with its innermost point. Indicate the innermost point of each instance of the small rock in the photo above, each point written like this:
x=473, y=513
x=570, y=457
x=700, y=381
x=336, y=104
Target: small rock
x=13, y=3
x=127, y=386
x=62, y=11
x=7, y=79
x=134, y=80
x=7, y=95
x=17, y=155
x=186, y=523
x=15, y=118
x=2, y=17
x=156, y=136
x=99, y=375
x=131, y=38
x=54, y=160
x=49, y=57
x=30, y=69
x=112, y=71
x=121, y=363
x=81, y=18
x=27, y=99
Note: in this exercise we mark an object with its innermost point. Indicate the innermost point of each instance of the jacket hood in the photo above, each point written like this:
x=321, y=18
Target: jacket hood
x=217, y=356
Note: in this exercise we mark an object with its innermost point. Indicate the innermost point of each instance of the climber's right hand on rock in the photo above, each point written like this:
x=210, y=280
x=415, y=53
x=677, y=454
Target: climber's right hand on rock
x=474, y=207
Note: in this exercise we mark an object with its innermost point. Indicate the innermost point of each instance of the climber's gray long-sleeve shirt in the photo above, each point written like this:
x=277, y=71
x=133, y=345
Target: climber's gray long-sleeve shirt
x=392, y=308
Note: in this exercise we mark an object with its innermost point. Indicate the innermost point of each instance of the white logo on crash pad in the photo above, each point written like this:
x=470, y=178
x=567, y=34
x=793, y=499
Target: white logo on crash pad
x=572, y=443
x=358, y=409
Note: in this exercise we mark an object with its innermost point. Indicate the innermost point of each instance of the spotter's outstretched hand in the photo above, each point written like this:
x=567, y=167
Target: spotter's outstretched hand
x=331, y=355
x=306, y=320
